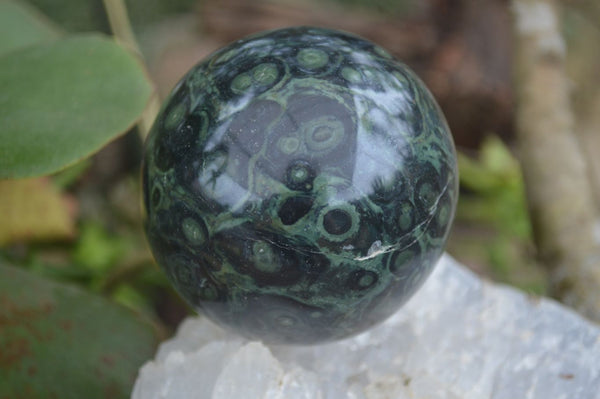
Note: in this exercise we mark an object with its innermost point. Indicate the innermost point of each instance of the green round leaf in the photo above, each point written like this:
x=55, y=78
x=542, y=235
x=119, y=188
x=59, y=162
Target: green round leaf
x=57, y=341
x=22, y=25
x=61, y=102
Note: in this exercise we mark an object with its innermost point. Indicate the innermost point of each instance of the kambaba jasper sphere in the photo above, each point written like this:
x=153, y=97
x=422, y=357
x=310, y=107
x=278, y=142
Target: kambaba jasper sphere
x=299, y=185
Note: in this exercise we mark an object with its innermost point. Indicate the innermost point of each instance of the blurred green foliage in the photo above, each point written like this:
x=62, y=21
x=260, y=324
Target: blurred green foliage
x=57, y=91
x=97, y=249
x=492, y=227
x=494, y=190
x=103, y=255
x=58, y=341
x=89, y=15
x=32, y=26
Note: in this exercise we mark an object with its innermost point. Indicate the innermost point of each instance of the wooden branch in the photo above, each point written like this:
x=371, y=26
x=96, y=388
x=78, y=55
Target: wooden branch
x=588, y=127
x=563, y=213
x=118, y=18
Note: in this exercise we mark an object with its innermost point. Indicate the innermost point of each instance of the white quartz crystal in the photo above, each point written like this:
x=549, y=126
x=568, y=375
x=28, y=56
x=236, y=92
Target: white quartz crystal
x=458, y=338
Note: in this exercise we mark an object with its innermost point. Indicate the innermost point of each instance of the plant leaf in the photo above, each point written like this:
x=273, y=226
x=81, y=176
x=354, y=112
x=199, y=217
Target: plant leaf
x=21, y=26
x=33, y=209
x=62, y=101
x=57, y=341
x=97, y=249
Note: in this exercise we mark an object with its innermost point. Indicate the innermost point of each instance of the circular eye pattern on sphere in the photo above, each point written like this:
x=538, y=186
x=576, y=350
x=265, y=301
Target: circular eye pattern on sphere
x=299, y=185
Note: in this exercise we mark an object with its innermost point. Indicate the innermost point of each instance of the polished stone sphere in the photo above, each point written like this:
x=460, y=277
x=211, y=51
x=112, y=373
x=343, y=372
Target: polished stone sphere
x=299, y=185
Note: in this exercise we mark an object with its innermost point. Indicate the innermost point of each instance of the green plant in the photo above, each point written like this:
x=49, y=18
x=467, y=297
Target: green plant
x=493, y=220
x=63, y=97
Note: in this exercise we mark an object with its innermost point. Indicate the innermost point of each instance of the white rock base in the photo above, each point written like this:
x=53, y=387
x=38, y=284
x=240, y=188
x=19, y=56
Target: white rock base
x=458, y=338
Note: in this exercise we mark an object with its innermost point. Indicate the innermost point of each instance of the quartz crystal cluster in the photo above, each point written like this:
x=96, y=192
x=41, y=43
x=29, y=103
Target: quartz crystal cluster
x=458, y=337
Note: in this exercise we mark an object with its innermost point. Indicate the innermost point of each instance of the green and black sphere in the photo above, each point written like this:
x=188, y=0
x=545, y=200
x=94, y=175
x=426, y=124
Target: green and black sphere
x=299, y=185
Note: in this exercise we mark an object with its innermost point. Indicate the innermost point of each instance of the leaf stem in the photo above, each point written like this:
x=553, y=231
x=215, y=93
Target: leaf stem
x=120, y=25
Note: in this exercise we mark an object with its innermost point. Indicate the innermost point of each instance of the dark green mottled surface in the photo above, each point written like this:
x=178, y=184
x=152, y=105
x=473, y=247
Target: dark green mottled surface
x=299, y=185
